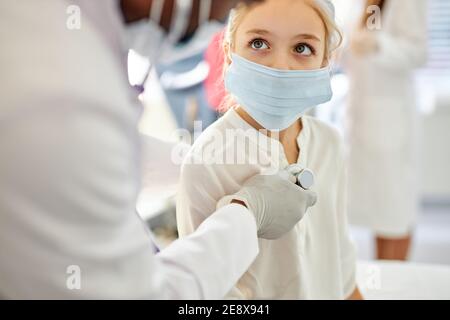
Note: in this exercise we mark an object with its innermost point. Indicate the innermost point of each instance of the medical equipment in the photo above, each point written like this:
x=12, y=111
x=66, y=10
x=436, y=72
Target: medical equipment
x=262, y=201
x=276, y=98
x=304, y=177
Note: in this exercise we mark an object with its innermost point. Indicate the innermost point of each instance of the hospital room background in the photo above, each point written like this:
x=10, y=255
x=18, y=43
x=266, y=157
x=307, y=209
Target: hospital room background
x=177, y=95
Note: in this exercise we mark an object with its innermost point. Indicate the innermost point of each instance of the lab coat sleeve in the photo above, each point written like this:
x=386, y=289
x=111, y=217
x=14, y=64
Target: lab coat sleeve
x=402, y=46
x=199, y=190
x=347, y=247
x=70, y=167
x=68, y=225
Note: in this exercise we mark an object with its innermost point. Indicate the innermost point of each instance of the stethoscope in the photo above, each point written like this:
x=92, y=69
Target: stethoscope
x=304, y=177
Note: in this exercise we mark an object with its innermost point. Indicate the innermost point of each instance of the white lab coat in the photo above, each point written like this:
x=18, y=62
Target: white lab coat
x=69, y=171
x=381, y=122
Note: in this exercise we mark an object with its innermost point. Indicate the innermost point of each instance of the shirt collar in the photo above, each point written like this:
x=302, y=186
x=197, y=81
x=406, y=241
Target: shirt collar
x=266, y=143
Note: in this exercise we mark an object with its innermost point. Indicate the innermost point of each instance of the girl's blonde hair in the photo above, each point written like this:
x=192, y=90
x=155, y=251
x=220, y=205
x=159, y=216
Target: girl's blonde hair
x=333, y=33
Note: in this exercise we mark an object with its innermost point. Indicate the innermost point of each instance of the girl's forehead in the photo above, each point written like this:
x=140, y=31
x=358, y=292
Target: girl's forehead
x=283, y=18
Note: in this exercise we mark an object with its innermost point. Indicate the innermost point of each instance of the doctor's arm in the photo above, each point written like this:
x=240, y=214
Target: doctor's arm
x=68, y=224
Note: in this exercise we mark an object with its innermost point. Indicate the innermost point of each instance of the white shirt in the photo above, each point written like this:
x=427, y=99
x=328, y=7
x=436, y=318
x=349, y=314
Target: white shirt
x=316, y=260
x=70, y=171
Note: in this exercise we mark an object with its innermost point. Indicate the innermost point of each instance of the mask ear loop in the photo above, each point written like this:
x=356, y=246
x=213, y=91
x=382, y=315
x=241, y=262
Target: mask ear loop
x=227, y=43
x=155, y=16
x=179, y=25
x=180, y=20
x=230, y=56
x=156, y=11
x=205, y=11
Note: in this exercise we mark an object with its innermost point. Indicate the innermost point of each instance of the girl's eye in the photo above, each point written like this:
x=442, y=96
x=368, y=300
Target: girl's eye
x=259, y=44
x=304, y=49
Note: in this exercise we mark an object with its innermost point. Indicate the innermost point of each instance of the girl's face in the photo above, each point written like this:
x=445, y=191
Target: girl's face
x=282, y=34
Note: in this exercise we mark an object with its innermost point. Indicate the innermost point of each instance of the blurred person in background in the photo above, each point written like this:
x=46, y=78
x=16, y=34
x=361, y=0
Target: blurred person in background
x=184, y=29
x=381, y=120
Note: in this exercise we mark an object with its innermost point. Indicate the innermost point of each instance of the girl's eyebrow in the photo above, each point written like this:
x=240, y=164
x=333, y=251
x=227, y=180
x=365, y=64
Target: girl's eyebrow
x=301, y=35
x=308, y=36
x=259, y=31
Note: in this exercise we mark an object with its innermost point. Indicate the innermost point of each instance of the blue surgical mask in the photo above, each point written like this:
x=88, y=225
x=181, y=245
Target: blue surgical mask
x=276, y=98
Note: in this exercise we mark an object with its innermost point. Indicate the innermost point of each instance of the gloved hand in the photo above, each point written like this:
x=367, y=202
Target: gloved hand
x=277, y=203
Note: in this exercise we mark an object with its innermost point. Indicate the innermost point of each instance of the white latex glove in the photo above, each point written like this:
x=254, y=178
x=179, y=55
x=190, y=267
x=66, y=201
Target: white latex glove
x=277, y=203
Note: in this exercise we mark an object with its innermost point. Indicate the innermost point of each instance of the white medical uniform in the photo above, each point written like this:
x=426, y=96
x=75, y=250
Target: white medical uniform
x=70, y=171
x=381, y=122
x=316, y=260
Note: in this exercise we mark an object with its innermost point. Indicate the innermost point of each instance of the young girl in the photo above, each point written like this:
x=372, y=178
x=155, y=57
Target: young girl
x=277, y=67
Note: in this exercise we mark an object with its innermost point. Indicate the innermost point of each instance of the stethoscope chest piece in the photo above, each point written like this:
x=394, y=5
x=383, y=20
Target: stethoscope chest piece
x=304, y=177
